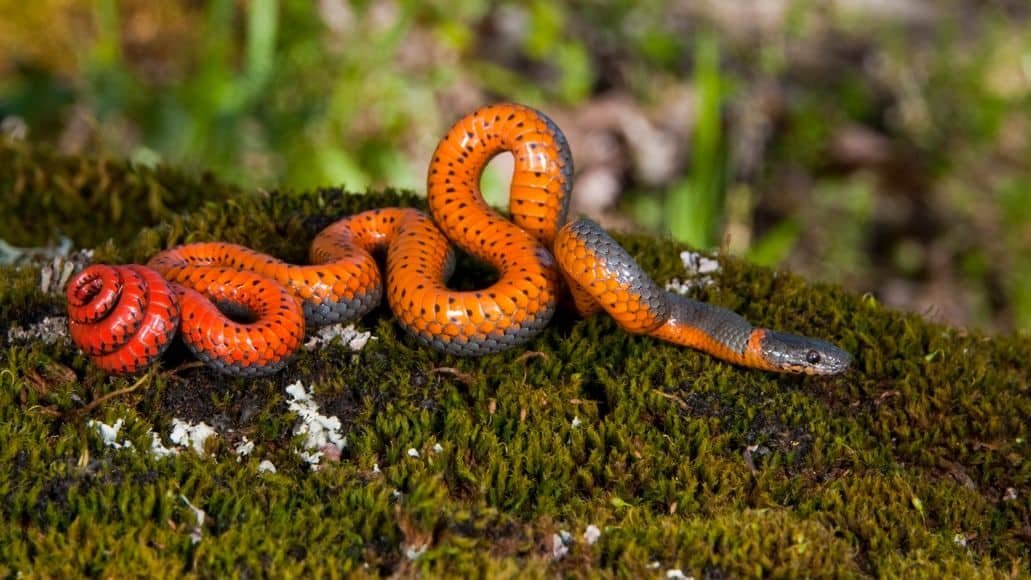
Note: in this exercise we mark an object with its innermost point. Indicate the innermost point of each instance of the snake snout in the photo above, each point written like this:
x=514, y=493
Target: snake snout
x=800, y=354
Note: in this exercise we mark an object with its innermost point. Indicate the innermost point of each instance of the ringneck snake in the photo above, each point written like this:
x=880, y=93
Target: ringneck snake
x=246, y=313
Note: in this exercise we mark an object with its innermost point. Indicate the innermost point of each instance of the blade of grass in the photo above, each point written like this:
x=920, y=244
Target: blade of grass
x=695, y=203
x=262, y=25
x=107, y=51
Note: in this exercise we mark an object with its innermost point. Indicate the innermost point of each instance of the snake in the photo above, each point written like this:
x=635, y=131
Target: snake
x=246, y=313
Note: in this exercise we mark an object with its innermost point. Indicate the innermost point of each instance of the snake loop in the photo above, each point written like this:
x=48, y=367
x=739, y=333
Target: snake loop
x=123, y=317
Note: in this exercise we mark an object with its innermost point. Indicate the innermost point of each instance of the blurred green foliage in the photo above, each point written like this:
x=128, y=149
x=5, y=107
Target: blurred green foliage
x=694, y=204
x=270, y=97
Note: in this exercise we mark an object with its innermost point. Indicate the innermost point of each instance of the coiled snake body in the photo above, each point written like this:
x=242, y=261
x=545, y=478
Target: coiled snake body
x=245, y=313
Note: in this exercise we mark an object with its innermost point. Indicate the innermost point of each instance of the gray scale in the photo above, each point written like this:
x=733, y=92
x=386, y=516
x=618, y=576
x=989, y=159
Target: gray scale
x=317, y=315
x=238, y=370
x=566, y=156
x=619, y=263
x=513, y=336
x=724, y=325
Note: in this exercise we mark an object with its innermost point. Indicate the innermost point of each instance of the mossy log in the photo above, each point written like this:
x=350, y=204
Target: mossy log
x=590, y=451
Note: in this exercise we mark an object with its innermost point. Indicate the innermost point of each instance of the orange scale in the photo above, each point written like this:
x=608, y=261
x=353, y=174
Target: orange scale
x=424, y=303
x=412, y=321
x=505, y=303
x=366, y=280
x=219, y=341
x=439, y=311
x=520, y=300
x=531, y=290
x=474, y=310
x=492, y=312
x=256, y=339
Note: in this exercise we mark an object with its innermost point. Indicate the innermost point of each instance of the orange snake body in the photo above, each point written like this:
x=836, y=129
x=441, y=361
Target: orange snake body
x=245, y=313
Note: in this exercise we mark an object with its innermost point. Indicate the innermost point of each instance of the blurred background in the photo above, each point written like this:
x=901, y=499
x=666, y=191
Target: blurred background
x=881, y=144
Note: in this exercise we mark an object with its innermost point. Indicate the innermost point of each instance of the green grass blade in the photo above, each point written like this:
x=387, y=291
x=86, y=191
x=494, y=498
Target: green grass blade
x=695, y=204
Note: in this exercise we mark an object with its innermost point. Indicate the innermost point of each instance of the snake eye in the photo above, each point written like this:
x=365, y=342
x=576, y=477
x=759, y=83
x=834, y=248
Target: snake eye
x=812, y=357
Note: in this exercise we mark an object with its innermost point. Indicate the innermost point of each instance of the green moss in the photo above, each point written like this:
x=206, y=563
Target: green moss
x=91, y=200
x=914, y=463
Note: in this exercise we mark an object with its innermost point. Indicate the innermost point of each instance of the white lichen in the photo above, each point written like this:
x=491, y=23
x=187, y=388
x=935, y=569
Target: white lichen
x=413, y=552
x=197, y=531
x=591, y=534
x=244, y=448
x=158, y=449
x=322, y=437
x=109, y=434
x=47, y=331
x=266, y=466
x=558, y=547
x=54, y=275
x=351, y=337
x=185, y=434
x=699, y=270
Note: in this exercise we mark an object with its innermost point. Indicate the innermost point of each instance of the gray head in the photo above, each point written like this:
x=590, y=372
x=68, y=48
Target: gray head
x=791, y=353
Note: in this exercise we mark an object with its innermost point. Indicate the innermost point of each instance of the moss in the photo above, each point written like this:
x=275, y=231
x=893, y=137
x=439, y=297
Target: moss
x=914, y=463
x=91, y=200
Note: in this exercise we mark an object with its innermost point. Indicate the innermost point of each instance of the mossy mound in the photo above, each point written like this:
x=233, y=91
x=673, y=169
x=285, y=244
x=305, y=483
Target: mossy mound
x=915, y=462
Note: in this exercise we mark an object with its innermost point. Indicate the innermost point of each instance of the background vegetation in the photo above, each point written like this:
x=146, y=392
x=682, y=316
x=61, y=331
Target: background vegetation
x=880, y=145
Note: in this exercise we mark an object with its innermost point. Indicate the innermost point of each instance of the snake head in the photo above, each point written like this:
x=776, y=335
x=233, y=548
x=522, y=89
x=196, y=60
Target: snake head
x=791, y=353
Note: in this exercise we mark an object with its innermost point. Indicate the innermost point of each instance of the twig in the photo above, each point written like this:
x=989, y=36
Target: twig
x=185, y=366
x=532, y=354
x=101, y=400
x=465, y=378
x=680, y=402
